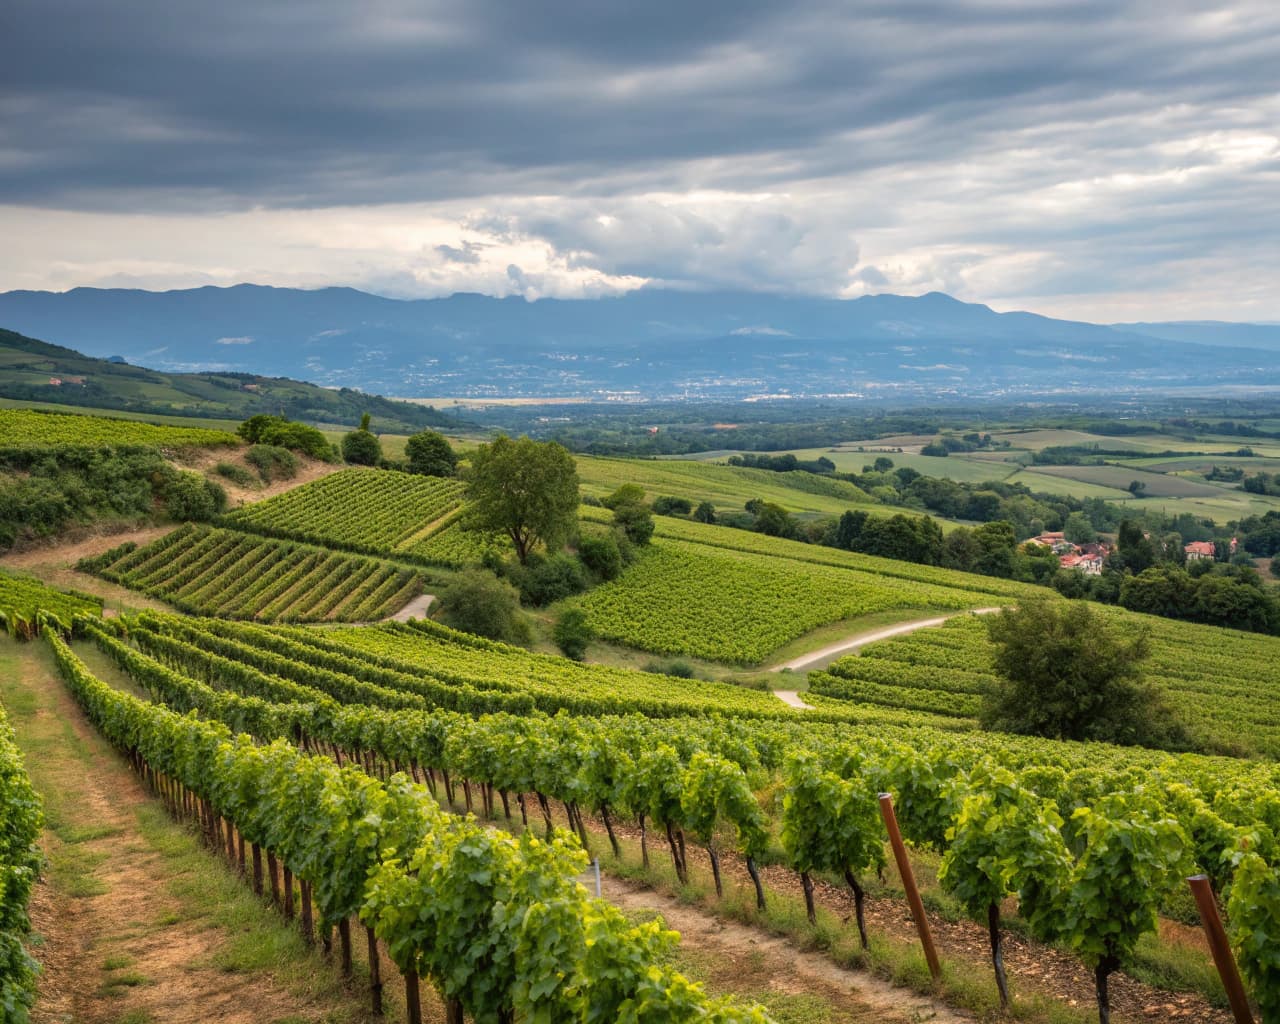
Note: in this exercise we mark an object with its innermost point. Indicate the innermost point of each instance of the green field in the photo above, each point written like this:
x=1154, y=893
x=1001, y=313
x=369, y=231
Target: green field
x=25, y=428
x=966, y=467
x=206, y=571
x=369, y=510
x=1225, y=685
x=726, y=487
x=734, y=596
x=1203, y=463
x=1042, y=483
x=1035, y=440
x=1158, y=485
x=818, y=554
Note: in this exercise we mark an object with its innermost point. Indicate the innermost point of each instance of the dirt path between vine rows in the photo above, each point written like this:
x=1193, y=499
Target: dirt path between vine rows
x=415, y=609
x=773, y=963
x=132, y=920
x=824, y=656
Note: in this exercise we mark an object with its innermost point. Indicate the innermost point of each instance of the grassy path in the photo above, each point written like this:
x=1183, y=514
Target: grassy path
x=134, y=922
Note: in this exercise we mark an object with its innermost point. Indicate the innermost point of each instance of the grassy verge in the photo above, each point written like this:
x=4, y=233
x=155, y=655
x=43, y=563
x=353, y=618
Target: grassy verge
x=187, y=891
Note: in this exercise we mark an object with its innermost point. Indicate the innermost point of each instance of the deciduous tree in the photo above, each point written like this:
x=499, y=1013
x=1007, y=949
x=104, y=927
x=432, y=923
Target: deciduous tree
x=430, y=454
x=527, y=490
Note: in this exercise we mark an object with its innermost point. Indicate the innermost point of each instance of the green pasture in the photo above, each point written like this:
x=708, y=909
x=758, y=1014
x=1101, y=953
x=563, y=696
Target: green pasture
x=1046, y=484
x=726, y=487
x=1158, y=485
x=965, y=467
x=1202, y=463
x=1226, y=506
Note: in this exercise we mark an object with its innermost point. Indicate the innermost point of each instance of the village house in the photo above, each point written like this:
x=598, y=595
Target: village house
x=1056, y=541
x=1199, y=549
x=1089, y=564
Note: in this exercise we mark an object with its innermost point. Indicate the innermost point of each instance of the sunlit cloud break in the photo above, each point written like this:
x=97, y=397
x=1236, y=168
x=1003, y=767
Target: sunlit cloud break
x=1103, y=161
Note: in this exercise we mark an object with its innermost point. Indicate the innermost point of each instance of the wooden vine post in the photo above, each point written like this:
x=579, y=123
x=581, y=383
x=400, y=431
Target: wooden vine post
x=1220, y=948
x=909, y=883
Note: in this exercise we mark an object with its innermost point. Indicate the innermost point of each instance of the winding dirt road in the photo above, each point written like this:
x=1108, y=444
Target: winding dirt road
x=825, y=656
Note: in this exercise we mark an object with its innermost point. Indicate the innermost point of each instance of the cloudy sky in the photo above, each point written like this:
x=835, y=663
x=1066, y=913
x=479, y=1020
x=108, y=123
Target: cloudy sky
x=1105, y=160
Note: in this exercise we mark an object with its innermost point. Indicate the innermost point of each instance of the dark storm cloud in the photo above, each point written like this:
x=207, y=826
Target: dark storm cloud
x=146, y=105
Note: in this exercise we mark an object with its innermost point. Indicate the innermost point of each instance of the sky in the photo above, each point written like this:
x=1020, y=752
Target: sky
x=1106, y=161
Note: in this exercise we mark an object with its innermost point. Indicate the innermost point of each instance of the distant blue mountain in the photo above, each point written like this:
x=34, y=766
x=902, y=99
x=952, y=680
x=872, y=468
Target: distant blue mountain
x=1211, y=332
x=648, y=343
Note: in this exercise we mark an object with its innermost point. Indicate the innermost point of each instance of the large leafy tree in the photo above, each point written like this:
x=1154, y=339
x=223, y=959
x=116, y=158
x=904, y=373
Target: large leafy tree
x=1065, y=674
x=430, y=454
x=525, y=489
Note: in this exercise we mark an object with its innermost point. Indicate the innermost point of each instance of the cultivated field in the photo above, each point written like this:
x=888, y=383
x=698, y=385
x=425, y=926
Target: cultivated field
x=208, y=571
x=24, y=428
x=422, y=803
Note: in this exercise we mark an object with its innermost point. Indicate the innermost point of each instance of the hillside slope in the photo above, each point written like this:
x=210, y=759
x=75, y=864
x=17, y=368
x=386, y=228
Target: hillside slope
x=29, y=367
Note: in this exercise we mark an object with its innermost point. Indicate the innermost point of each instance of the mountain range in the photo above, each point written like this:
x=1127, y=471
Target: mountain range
x=646, y=344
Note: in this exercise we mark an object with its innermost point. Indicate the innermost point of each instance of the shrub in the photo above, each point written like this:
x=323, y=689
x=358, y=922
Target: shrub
x=630, y=513
x=430, y=454
x=190, y=497
x=669, y=506
x=234, y=472
x=543, y=581
x=705, y=512
x=601, y=555
x=572, y=633
x=478, y=602
x=679, y=669
x=361, y=448
x=276, y=430
x=272, y=462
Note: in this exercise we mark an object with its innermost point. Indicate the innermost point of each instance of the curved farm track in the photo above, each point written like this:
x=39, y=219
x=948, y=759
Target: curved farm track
x=824, y=656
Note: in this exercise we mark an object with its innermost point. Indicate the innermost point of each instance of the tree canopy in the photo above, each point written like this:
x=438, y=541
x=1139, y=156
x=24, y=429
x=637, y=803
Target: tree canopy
x=525, y=489
x=1065, y=674
x=430, y=454
x=360, y=447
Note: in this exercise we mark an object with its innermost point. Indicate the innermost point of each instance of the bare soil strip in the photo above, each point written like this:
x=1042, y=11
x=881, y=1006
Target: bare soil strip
x=773, y=964
x=415, y=609
x=132, y=921
x=1038, y=972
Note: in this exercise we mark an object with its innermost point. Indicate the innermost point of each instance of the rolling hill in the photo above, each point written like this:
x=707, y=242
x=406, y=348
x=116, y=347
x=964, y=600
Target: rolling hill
x=29, y=369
